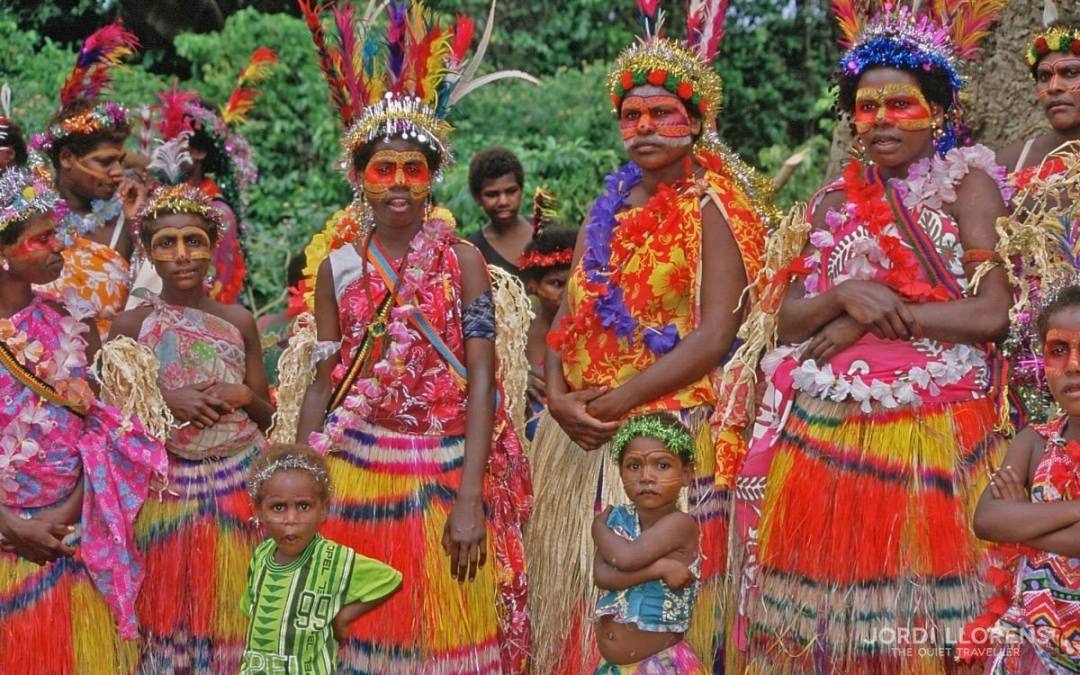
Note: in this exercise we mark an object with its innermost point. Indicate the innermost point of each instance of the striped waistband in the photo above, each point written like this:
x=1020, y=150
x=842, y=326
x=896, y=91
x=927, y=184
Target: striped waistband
x=376, y=448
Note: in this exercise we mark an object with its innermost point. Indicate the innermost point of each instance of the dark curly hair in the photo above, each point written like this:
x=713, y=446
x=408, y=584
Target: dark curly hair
x=493, y=163
x=84, y=144
x=1066, y=298
x=935, y=85
x=549, y=239
x=11, y=136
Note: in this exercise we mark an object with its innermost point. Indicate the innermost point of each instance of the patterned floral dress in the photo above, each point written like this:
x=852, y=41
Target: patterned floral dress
x=199, y=537
x=69, y=616
x=95, y=279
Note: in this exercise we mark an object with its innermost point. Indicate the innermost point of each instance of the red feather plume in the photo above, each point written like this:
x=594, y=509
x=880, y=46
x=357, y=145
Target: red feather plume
x=243, y=96
x=329, y=61
x=105, y=48
x=464, y=29
x=174, y=115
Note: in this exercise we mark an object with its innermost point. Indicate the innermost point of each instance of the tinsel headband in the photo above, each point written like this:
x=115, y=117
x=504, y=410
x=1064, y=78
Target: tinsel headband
x=181, y=198
x=673, y=435
x=287, y=462
x=1057, y=39
x=681, y=68
x=400, y=81
x=102, y=117
x=22, y=194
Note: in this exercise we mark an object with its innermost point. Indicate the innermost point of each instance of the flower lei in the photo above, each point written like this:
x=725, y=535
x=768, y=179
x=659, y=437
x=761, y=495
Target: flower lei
x=597, y=263
x=16, y=446
x=74, y=224
x=367, y=392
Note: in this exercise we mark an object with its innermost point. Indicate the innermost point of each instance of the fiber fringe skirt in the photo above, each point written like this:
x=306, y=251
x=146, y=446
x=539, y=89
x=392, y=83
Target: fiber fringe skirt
x=392, y=496
x=197, y=540
x=53, y=621
x=867, y=559
x=570, y=486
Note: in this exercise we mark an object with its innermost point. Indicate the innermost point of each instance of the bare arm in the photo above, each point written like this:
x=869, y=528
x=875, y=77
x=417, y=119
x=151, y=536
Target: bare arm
x=465, y=536
x=723, y=279
x=259, y=409
x=985, y=316
x=353, y=611
x=674, y=531
x=1010, y=521
x=317, y=397
x=609, y=578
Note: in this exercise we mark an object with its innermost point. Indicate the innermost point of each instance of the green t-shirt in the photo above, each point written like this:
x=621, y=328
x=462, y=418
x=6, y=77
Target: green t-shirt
x=291, y=608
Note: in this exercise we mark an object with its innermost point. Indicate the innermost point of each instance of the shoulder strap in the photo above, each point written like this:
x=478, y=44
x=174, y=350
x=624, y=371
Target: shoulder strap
x=1024, y=154
x=118, y=228
x=37, y=385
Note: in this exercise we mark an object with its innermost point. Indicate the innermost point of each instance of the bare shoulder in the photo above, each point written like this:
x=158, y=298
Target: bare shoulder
x=1010, y=154
x=129, y=323
x=467, y=253
x=237, y=315
x=681, y=522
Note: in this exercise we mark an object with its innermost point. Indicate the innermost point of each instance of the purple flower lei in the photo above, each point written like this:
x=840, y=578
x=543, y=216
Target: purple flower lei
x=596, y=262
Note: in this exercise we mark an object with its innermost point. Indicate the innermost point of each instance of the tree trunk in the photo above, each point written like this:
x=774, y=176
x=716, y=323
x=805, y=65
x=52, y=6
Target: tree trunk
x=999, y=100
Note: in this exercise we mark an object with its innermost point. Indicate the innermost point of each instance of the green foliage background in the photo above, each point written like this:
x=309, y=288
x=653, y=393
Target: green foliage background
x=775, y=63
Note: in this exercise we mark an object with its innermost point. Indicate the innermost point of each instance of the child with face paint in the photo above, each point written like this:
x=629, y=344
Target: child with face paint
x=303, y=590
x=1032, y=505
x=69, y=566
x=197, y=537
x=648, y=559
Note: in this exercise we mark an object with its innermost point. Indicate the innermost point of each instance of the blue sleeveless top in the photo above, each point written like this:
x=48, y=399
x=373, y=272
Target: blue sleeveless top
x=652, y=606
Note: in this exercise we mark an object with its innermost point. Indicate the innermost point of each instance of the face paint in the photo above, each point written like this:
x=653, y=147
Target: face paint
x=661, y=117
x=44, y=242
x=390, y=168
x=177, y=243
x=900, y=105
x=1061, y=353
x=1057, y=76
x=108, y=157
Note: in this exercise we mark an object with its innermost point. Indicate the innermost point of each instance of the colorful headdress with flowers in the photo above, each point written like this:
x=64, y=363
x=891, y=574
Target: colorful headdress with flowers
x=100, y=53
x=401, y=81
x=1057, y=37
x=945, y=34
x=23, y=193
x=682, y=68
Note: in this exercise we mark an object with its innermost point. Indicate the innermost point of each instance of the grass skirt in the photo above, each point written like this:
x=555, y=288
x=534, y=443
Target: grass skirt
x=392, y=496
x=868, y=562
x=197, y=539
x=53, y=621
x=569, y=487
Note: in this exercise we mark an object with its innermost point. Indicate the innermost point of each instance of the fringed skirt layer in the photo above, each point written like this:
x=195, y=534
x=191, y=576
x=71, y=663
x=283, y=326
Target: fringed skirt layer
x=392, y=497
x=570, y=486
x=53, y=621
x=197, y=539
x=867, y=559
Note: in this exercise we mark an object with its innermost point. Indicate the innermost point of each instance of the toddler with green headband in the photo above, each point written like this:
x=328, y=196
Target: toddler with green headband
x=647, y=554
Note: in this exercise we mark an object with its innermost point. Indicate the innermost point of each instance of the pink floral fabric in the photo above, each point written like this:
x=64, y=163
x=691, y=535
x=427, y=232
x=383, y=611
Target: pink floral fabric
x=46, y=448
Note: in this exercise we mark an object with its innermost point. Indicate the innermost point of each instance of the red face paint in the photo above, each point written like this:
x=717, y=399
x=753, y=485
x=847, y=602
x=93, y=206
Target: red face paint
x=900, y=105
x=1061, y=352
x=43, y=242
x=390, y=168
x=1057, y=76
x=663, y=115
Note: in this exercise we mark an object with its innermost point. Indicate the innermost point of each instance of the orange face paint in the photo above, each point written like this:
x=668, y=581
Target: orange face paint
x=1057, y=76
x=390, y=168
x=900, y=105
x=170, y=244
x=1061, y=351
x=662, y=115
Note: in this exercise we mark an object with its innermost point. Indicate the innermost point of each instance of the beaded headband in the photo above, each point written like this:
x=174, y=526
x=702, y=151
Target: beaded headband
x=22, y=194
x=285, y=463
x=673, y=435
x=1057, y=39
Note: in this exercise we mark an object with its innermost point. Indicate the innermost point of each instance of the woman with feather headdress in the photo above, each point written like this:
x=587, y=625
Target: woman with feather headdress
x=650, y=311
x=85, y=144
x=428, y=472
x=853, y=549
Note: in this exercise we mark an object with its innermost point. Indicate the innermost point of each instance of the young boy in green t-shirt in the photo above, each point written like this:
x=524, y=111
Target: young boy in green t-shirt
x=303, y=590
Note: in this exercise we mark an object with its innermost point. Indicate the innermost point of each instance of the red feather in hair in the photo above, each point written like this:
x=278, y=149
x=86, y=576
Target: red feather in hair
x=173, y=112
x=969, y=22
x=345, y=20
x=464, y=29
x=328, y=61
x=105, y=48
x=648, y=7
x=243, y=96
x=850, y=15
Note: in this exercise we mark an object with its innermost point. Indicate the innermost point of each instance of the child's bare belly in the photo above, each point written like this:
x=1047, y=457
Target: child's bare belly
x=622, y=643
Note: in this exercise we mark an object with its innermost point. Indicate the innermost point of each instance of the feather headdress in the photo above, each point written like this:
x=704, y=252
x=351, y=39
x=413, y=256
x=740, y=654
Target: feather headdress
x=244, y=94
x=101, y=52
x=401, y=80
x=937, y=37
